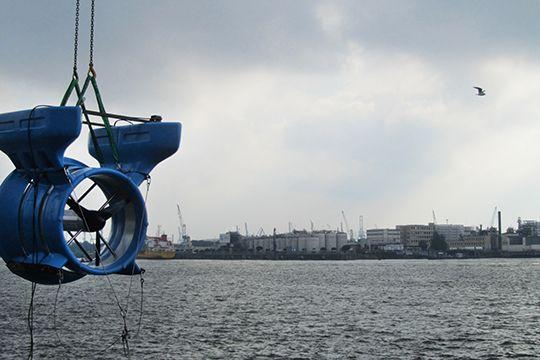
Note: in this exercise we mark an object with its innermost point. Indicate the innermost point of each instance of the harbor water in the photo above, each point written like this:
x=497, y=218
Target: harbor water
x=197, y=309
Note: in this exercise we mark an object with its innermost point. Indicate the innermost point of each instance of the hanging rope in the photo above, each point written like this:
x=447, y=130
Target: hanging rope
x=125, y=336
x=30, y=320
x=60, y=279
x=34, y=261
x=34, y=181
x=139, y=326
x=126, y=332
x=124, y=310
x=70, y=349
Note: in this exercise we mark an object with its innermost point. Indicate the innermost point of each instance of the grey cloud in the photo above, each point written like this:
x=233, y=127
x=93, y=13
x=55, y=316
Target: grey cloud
x=139, y=34
x=142, y=33
x=380, y=161
x=445, y=29
x=197, y=61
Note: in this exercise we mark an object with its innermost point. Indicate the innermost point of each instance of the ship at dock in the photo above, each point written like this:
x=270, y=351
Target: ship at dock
x=158, y=248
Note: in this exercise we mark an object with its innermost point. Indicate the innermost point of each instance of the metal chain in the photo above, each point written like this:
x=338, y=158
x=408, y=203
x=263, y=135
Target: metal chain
x=76, y=42
x=91, y=64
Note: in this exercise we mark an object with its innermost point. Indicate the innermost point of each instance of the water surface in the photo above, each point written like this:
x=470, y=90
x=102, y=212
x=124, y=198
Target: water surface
x=196, y=309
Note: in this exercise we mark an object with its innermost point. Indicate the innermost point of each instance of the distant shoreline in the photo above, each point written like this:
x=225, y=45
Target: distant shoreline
x=344, y=256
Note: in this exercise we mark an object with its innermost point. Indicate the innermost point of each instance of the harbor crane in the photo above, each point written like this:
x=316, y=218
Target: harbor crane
x=492, y=222
x=349, y=230
x=361, y=227
x=182, y=229
x=181, y=226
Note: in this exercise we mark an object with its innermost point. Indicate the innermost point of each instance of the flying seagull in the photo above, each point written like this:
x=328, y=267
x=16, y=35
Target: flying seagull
x=481, y=92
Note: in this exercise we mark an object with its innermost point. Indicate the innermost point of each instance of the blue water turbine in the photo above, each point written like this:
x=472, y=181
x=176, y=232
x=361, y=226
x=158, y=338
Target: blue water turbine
x=42, y=214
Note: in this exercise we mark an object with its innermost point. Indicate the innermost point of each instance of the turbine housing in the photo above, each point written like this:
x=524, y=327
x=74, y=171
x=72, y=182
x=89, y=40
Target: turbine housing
x=42, y=215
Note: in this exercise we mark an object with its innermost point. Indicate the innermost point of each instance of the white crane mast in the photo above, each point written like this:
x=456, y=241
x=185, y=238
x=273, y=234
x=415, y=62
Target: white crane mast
x=182, y=230
x=492, y=222
x=360, y=227
x=349, y=230
x=181, y=226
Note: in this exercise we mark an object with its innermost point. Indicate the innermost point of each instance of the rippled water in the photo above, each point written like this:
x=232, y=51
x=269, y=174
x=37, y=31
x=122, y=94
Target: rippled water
x=194, y=309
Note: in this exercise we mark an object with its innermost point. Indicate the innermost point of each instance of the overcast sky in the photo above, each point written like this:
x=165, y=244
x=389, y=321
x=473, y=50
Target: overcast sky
x=296, y=110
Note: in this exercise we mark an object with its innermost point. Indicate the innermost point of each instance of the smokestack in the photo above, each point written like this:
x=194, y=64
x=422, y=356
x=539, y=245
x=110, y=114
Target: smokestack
x=499, y=238
x=274, y=247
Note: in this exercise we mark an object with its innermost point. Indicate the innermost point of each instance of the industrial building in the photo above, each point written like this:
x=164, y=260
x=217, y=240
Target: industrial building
x=452, y=232
x=529, y=227
x=379, y=238
x=412, y=236
x=525, y=239
x=483, y=240
x=295, y=241
x=408, y=239
x=518, y=243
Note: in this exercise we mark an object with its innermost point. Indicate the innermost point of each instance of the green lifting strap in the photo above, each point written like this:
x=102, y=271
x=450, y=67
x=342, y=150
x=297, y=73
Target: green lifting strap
x=92, y=76
x=74, y=85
